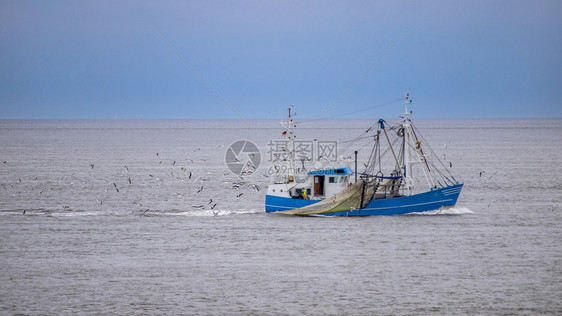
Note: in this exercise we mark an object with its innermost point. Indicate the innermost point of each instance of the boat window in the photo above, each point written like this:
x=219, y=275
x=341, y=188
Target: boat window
x=342, y=179
x=333, y=180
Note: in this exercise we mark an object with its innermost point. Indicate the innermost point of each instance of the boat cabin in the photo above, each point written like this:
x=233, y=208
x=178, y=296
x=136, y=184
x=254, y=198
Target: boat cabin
x=317, y=185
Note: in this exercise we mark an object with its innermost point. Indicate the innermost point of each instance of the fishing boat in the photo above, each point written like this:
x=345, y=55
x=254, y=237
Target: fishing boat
x=402, y=175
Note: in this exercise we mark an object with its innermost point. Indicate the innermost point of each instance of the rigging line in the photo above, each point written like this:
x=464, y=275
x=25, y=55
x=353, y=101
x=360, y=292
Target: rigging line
x=351, y=143
x=188, y=65
x=353, y=140
x=362, y=110
x=432, y=151
x=369, y=108
x=364, y=75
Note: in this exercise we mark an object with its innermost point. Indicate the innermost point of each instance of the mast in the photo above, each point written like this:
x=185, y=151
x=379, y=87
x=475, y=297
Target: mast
x=411, y=141
x=290, y=145
x=407, y=155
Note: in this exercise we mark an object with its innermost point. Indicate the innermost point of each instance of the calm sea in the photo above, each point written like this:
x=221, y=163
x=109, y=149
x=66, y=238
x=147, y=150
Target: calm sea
x=144, y=217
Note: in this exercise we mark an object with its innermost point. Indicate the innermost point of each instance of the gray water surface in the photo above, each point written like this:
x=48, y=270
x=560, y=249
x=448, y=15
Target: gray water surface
x=131, y=235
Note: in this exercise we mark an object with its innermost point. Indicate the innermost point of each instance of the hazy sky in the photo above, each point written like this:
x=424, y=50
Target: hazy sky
x=101, y=59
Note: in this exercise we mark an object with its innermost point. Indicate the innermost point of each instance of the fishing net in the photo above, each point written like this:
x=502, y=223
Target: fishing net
x=348, y=199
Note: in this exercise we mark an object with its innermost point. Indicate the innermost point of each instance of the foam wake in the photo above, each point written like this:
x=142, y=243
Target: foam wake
x=215, y=212
x=447, y=210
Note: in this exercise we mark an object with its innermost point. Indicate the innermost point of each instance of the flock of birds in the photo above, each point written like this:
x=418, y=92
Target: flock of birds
x=186, y=175
x=133, y=178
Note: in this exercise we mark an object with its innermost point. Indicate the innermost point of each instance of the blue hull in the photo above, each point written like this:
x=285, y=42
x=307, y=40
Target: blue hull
x=421, y=202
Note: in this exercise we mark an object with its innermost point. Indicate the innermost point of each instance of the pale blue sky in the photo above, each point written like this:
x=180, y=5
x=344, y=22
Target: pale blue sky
x=101, y=60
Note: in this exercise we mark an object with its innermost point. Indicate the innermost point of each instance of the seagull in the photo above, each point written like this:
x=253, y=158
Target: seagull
x=200, y=190
x=130, y=182
x=239, y=195
x=481, y=172
x=213, y=207
x=190, y=175
x=127, y=168
x=450, y=164
x=210, y=201
x=92, y=166
x=447, y=145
